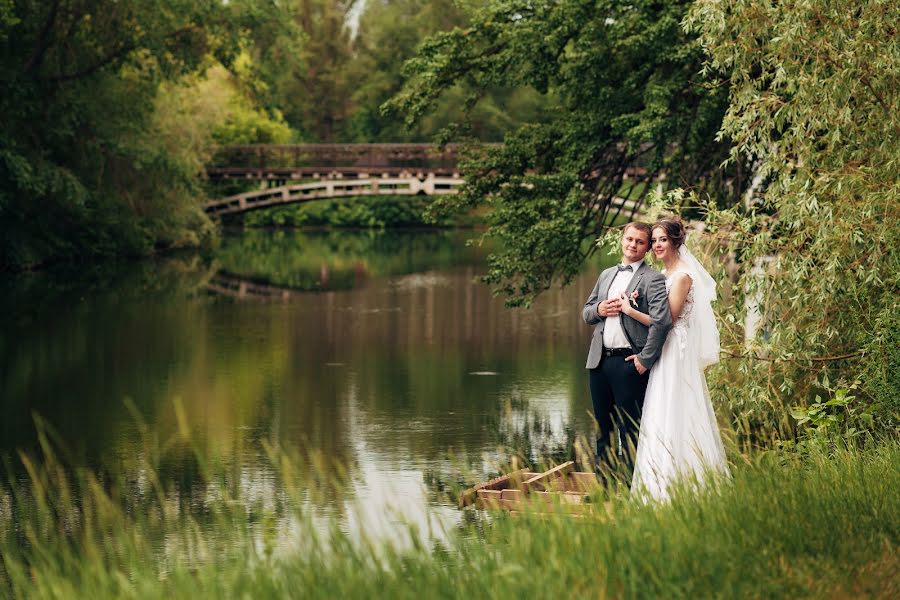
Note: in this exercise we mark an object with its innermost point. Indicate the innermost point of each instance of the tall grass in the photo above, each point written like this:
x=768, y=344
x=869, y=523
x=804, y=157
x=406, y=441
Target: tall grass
x=784, y=526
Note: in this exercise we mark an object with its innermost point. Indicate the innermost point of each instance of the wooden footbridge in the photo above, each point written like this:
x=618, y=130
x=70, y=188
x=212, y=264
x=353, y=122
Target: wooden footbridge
x=304, y=172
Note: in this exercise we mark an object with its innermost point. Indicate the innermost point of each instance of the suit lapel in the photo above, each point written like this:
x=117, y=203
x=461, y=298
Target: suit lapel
x=610, y=274
x=632, y=285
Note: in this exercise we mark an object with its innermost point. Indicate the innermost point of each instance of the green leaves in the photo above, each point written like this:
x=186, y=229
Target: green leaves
x=814, y=106
x=627, y=104
x=81, y=169
x=834, y=423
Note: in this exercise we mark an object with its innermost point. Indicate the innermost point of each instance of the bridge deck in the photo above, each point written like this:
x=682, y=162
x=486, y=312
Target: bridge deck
x=333, y=188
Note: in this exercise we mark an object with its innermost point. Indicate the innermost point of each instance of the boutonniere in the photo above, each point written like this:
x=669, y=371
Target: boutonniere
x=634, y=297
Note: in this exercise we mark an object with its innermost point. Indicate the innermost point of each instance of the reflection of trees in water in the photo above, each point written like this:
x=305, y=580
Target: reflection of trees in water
x=75, y=363
x=379, y=375
x=329, y=260
x=533, y=437
x=224, y=283
x=71, y=339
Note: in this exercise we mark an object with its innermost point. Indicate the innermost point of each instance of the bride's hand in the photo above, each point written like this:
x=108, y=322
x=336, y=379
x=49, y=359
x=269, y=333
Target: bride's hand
x=641, y=369
x=625, y=305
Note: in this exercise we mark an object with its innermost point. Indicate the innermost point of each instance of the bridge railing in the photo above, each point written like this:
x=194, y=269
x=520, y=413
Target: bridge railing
x=273, y=159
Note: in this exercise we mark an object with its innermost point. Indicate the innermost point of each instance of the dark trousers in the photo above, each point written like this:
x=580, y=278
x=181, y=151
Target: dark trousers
x=617, y=392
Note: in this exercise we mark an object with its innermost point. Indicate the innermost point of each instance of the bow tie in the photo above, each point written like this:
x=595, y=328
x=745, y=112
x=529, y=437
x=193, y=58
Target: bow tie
x=624, y=268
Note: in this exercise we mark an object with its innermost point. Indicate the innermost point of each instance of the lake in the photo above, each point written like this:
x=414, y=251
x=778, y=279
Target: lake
x=379, y=351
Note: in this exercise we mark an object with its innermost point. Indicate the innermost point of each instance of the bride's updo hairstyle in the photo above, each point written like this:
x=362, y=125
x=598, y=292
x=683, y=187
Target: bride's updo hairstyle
x=674, y=229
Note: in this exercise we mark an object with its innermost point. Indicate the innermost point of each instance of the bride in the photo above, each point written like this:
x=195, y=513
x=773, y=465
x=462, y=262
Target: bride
x=679, y=438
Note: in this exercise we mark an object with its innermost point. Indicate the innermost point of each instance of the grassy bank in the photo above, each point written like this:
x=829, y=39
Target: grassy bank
x=821, y=526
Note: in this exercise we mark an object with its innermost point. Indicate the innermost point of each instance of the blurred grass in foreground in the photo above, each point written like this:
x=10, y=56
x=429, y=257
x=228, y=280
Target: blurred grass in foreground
x=817, y=526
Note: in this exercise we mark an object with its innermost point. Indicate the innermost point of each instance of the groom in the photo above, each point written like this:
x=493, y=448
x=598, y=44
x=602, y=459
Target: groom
x=623, y=350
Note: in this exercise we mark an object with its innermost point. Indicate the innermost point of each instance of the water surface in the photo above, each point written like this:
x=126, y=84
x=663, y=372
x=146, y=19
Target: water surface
x=378, y=350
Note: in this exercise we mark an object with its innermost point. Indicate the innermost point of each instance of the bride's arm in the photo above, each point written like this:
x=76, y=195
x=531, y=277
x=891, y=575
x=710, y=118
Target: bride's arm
x=626, y=307
x=681, y=285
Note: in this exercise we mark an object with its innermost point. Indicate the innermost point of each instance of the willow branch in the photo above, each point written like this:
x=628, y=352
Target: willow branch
x=798, y=362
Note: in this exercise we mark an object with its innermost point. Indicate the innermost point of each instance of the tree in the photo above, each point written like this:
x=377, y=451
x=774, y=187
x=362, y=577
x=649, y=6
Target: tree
x=79, y=80
x=198, y=112
x=815, y=105
x=389, y=34
x=302, y=61
x=79, y=174
x=630, y=111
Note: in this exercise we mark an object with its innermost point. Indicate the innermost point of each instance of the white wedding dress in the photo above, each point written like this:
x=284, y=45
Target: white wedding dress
x=679, y=438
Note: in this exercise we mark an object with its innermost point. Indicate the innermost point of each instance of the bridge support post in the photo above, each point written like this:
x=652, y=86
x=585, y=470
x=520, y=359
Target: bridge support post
x=428, y=185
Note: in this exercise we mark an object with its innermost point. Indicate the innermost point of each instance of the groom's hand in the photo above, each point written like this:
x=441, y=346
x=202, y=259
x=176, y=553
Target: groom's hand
x=609, y=308
x=637, y=364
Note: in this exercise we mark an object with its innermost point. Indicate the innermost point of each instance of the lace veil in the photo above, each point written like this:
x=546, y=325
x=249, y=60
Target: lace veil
x=704, y=324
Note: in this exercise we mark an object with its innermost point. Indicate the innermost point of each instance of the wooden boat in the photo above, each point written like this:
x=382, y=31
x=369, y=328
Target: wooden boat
x=560, y=488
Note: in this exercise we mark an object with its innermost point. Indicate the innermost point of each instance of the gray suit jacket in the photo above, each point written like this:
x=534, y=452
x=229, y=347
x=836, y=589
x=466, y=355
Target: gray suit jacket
x=647, y=342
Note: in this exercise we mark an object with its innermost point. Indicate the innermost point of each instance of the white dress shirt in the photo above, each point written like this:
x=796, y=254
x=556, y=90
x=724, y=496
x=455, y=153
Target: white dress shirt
x=613, y=334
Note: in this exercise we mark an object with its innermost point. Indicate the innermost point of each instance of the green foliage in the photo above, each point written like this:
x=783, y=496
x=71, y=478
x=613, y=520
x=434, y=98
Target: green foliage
x=881, y=375
x=846, y=416
x=815, y=107
x=626, y=104
x=300, y=61
x=838, y=420
x=249, y=126
x=389, y=33
x=79, y=82
x=196, y=112
x=367, y=212
x=242, y=121
x=330, y=85
x=100, y=144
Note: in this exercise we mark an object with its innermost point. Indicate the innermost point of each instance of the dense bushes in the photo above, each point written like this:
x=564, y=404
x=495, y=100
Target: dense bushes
x=881, y=373
x=99, y=145
x=365, y=212
x=816, y=245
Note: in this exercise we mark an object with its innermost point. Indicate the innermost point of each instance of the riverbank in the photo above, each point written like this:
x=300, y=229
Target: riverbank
x=195, y=231
x=107, y=239
x=785, y=526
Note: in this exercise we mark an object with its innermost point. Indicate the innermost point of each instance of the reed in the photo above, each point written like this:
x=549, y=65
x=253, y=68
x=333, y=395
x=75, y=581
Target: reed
x=820, y=525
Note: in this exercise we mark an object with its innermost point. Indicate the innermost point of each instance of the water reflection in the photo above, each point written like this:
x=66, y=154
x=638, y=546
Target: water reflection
x=288, y=261
x=381, y=353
